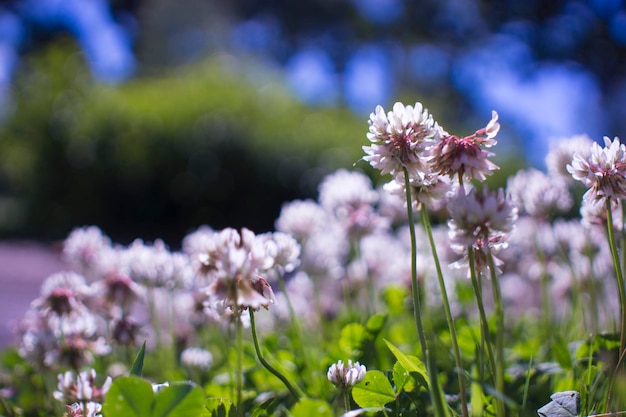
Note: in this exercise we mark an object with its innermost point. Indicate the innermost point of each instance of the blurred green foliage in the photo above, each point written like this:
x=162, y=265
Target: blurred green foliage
x=213, y=143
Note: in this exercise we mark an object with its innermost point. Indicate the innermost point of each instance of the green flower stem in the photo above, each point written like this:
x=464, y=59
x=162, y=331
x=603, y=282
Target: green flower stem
x=618, y=276
x=414, y=288
x=484, y=324
x=239, y=370
x=448, y=312
x=295, y=392
x=346, y=398
x=499, y=312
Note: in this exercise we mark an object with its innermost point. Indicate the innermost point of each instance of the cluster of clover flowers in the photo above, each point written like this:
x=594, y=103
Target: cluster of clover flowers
x=341, y=252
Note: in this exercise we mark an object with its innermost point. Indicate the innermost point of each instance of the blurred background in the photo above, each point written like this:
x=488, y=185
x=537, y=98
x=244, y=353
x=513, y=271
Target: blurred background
x=151, y=118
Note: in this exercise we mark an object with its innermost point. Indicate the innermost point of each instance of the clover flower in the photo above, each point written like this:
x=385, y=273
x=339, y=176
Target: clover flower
x=400, y=138
x=562, y=152
x=483, y=220
x=427, y=189
x=83, y=247
x=235, y=261
x=63, y=293
x=603, y=171
x=82, y=388
x=538, y=194
x=93, y=409
x=156, y=267
x=343, y=376
x=301, y=219
x=197, y=358
x=465, y=157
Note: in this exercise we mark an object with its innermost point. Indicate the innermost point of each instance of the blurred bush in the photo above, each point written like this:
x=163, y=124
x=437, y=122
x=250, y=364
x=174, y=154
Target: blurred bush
x=213, y=143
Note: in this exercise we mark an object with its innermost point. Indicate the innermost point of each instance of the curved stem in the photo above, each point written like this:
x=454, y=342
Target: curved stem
x=295, y=392
x=414, y=287
x=448, y=313
x=618, y=276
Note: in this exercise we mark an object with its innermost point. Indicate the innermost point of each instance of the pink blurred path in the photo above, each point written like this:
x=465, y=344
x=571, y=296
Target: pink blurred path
x=23, y=267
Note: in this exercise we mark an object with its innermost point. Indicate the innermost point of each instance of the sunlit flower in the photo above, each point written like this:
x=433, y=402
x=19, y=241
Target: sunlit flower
x=430, y=190
x=346, y=376
x=83, y=247
x=399, y=138
x=454, y=156
x=603, y=171
x=235, y=261
x=482, y=220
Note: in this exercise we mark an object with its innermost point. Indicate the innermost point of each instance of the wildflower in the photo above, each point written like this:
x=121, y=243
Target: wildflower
x=156, y=267
x=400, y=138
x=62, y=293
x=235, y=261
x=603, y=171
x=118, y=292
x=81, y=389
x=482, y=220
x=427, y=189
x=83, y=246
x=464, y=157
x=350, y=198
x=562, y=152
x=301, y=219
x=77, y=409
x=348, y=376
x=198, y=358
x=538, y=194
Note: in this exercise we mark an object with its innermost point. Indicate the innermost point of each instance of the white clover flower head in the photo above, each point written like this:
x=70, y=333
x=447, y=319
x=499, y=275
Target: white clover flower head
x=301, y=219
x=561, y=153
x=196, y=358
x=483, y=220
x=400, y=137
x=63, y=293
x=81, y=389
x=236, y=261
x=284, y=248
x=77, y=409
x=603, y=172
x=428, y=189
x=346, y=376
x=156, y=267
x=454, y=156
x=83, y=245
x=538, y=194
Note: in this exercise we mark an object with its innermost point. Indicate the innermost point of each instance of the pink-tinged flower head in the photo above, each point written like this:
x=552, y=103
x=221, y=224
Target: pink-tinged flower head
x=399, y=138
x=83, y=388
x=236, y=261
x=465, y=156
x=344, y=376
x=483, y=220
x=603, y=171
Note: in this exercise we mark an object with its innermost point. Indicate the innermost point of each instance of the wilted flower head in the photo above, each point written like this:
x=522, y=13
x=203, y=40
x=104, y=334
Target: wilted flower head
x=399, y=138
x=346, y=376
x=464, y=156
x=603, y=171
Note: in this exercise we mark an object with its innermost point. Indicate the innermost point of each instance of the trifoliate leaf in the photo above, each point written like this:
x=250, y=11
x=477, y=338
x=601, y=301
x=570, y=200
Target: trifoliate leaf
x=374, y=391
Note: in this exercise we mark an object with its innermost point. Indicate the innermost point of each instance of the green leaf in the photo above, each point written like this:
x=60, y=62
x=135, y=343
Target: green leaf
x=375, y=323
x=374, y=391
x=402, y=378
x=351, y=339
x=180, y=399
x=411, y=364
x=309, y=407
x=129, y=397
x=219, y=407
x=561, y=353
x=137, y=368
